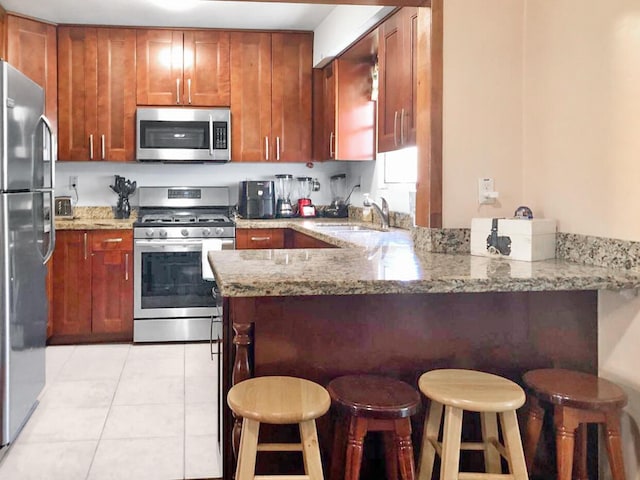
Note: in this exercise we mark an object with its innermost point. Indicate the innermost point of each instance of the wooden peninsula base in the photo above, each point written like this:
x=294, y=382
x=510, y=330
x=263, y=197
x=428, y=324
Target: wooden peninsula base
x=322, y=337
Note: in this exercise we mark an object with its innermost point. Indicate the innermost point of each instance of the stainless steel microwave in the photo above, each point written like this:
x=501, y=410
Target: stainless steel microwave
x=183, y=135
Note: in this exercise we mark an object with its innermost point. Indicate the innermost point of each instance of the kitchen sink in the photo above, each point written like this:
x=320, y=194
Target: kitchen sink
x=344, y=228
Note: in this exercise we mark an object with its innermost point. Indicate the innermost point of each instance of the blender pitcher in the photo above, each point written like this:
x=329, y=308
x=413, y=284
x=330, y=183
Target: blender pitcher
x=305, y=207
x=338, y=207
x=283, y=195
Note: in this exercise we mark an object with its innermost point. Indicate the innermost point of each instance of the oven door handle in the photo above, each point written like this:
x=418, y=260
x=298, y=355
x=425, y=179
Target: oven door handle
x=167, y=243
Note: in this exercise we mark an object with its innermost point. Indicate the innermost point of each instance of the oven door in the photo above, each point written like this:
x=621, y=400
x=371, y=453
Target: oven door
x=168, y=279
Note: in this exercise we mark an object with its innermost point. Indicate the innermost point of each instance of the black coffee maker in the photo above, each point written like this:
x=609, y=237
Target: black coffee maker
x=257, y=199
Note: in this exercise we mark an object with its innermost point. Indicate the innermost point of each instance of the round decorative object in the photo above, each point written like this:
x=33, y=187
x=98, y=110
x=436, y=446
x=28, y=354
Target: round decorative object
x=523, y=212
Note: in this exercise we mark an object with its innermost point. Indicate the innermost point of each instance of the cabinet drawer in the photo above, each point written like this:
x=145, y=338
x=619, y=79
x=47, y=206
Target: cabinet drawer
x=107, y=240
x=255, y=238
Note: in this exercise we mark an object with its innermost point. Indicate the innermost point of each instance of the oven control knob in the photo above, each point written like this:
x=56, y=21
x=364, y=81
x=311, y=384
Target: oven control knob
x=206, y=232
x=219, y=231
x=163, y=233
x=149, y=232
x=184, y=232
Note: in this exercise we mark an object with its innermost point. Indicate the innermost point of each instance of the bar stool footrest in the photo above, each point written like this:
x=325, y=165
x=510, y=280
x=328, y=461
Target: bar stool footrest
x=281, y=477
x=279, y=447
x=484, y=476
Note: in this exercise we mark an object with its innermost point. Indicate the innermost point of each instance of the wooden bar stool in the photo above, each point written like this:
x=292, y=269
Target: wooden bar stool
x=373, y=403
x=278, y=400
x=490, y=395
x=577, y=399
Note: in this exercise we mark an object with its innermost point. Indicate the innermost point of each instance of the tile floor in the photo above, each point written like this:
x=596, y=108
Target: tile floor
x=121, y=412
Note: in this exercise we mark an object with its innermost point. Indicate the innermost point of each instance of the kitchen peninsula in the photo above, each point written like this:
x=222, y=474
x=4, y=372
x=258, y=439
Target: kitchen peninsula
x=379, y=305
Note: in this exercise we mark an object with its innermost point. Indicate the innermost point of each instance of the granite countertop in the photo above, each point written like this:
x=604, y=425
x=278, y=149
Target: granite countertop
x=94, y=218
x=371, y=262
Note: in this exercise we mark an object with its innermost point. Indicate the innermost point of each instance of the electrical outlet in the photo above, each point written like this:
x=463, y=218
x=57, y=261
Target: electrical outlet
x=73, y=181
x=486, y=191
x=359, y=180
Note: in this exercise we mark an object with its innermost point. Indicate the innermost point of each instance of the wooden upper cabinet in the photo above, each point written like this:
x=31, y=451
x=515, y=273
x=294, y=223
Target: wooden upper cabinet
x=271, y=96
x=96, y=93
x=183, y=68
x=397, y=81
x=291, y=73
x=32, y=49
x=347, y=121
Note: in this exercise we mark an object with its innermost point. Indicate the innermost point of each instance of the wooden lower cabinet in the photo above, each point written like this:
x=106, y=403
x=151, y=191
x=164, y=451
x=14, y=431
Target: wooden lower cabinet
x=294, y=239
x=92, y=286
x=256, y=238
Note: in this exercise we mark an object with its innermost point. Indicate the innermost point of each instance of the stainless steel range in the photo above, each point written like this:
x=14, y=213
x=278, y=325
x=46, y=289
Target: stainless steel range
x=173, y=301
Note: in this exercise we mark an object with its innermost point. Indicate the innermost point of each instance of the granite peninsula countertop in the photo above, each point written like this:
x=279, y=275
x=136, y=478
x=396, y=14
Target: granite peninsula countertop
x=371, y=262
x=94, y=218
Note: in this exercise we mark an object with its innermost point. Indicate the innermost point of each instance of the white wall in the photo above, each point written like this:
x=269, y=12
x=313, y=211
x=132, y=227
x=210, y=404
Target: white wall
x=341, y=28
x=94, y=178
x=482, y=107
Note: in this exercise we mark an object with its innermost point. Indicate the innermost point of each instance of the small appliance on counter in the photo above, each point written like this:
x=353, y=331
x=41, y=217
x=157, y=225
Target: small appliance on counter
x=256, y=199
x=283, y=193
x=339, y=207
x=63, y=208
x=305, y=207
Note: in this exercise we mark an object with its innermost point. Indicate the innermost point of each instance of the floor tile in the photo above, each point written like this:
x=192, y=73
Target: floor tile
x=201, y=419
x=198, y=361
x=140, y=421
x=64, y=424
x=48, y=461
x=80, y=393
x=153, y=367
x=147, y=391
x=92, y=362
x=200, y=389
x=56, y=357
x=140, y=351
x=201, y=457
x=139, y=459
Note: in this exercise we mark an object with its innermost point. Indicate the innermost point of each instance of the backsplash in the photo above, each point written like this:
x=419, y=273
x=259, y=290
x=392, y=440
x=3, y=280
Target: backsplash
x=598, y=251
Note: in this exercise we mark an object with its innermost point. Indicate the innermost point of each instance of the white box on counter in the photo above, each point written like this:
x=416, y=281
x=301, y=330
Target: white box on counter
x=514, y=238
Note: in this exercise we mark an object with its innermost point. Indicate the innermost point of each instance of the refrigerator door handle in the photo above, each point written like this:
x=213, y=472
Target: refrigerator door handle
x=53, y=154
x=52, y=230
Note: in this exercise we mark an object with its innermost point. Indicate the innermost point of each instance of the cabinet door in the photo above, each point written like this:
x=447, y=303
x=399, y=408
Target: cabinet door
x=72, y=283
x=112, y=281
x=300, y=240
x=116, y=93
x=32, y=49
x=159, y=67
x=398, y=80
x=49, y=286
x=206, y=68
x=77, y=89
x=256, y=238
x=251, y=97
x=291, y=96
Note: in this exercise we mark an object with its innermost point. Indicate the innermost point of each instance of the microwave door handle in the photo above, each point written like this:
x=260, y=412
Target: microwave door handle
x=210, y=136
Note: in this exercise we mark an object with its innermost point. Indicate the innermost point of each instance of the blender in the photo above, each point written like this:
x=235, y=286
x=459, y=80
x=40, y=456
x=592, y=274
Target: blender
x=339, y=207
x=283, y=195
x=305, y=207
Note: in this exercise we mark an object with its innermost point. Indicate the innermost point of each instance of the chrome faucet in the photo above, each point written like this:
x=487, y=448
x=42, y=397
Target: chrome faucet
x=382, y=211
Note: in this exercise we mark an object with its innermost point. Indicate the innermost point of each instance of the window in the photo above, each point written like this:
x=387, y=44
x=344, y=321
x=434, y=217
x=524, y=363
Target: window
x=401, y=166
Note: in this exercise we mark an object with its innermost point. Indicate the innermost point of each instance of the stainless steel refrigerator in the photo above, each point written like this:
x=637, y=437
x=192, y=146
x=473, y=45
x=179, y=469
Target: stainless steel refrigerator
x=27, y=240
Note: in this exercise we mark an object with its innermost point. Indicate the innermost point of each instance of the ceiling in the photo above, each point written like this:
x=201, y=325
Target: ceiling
x=175, y=13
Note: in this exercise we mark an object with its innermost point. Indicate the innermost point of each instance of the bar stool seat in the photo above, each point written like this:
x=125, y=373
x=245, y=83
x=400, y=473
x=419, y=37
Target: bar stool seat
x=577, y=399
x=278, y=400
x=494, y=397
x=373, y=403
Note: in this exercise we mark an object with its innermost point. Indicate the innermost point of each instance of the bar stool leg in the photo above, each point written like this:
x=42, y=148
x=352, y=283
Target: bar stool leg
x=489, y=423
x=357, y=431
x=513, y=445
x=248, y=450
x=431, y=430
x=580, y=453
x=565, y=425
x=451, y=443
x=614, y=446
x=311, y=450
x=404, y=448
x=535, y=417
x=390, y=455
x=339, y=449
